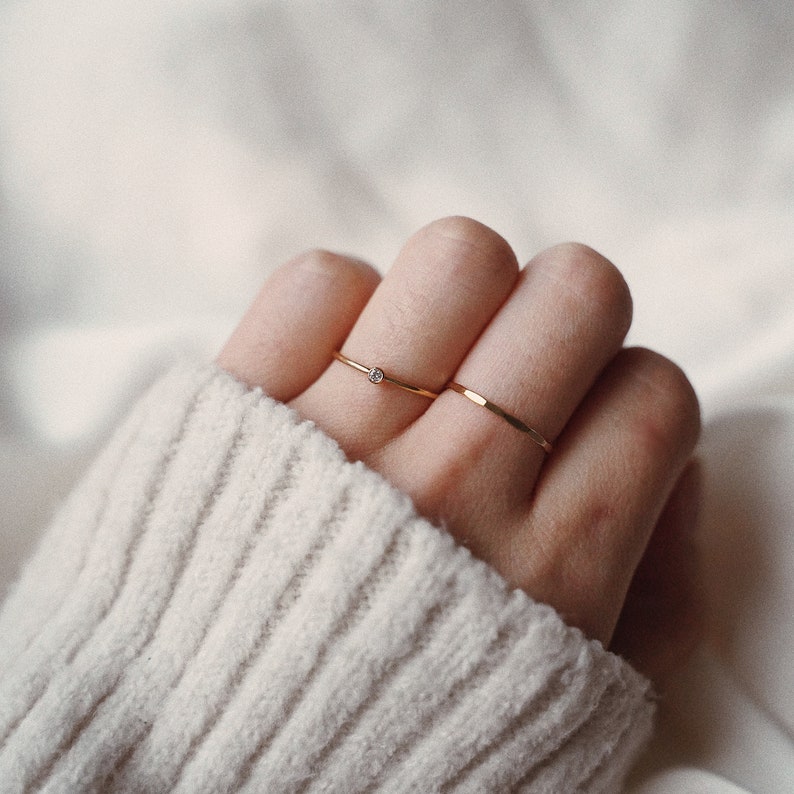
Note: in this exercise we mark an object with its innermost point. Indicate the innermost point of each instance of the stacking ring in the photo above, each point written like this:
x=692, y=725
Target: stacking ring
x=517, y=423
x=377, y=375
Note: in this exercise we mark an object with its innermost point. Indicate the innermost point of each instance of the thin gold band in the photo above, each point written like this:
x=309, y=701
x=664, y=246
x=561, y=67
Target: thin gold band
x=517, y=423
x=377, y=375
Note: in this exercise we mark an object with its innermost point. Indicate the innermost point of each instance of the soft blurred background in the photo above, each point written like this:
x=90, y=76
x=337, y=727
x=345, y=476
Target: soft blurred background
x=158, y=159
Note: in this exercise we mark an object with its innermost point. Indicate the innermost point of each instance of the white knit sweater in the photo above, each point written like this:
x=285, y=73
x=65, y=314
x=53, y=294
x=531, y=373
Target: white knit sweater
x=225, y=603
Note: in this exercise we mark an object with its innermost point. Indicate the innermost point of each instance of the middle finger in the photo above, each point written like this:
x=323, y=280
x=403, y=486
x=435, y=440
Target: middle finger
x=564, y=321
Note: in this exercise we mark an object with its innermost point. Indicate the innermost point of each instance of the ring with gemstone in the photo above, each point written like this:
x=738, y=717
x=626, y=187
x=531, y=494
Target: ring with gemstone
x=377, y=375
x=517, y=423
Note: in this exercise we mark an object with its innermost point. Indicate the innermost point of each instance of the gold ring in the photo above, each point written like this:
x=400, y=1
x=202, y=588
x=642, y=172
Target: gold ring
x=517, y=423
x=377, y=375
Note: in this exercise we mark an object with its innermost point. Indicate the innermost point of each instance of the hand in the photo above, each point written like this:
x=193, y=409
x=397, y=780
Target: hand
x=546, y=344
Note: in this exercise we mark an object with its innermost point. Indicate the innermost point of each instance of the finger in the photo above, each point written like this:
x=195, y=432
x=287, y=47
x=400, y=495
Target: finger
x=302, y=313
x=565, y=319
x=603, y=491
x=444, y=287
x=661, y=622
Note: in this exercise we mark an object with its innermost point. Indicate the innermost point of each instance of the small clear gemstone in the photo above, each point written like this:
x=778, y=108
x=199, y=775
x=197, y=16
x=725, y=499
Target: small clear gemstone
x=375, y=375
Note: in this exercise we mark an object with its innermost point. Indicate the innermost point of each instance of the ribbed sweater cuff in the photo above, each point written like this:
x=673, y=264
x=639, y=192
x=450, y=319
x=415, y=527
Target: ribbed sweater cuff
x=226, y=603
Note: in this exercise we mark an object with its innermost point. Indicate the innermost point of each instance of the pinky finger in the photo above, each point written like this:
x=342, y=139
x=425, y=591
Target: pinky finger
x=661, y=621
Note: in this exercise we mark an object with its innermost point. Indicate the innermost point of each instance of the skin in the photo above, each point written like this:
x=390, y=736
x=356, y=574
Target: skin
x=601, y=528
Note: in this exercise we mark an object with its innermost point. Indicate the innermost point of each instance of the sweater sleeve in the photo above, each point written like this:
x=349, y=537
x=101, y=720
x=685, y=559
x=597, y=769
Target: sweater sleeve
x=226, y=603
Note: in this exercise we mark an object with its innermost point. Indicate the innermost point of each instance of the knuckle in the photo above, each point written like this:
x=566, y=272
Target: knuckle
x=317, y=259
x=327, y=264
x=595, y=284
x=671, y=409
x=467, y=241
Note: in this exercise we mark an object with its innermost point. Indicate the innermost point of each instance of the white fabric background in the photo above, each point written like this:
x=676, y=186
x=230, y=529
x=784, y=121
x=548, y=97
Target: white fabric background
x=158, y=158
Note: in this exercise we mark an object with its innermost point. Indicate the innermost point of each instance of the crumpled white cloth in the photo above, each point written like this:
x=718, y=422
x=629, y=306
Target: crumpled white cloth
x=158, y=159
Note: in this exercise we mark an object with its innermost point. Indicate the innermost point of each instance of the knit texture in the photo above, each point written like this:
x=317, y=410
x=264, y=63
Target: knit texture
x=226, y=603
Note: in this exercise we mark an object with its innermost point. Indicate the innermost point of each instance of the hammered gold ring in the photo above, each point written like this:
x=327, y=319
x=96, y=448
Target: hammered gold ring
x=377, y=375
x=515, y=422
